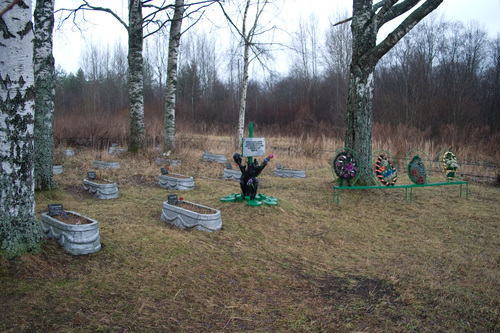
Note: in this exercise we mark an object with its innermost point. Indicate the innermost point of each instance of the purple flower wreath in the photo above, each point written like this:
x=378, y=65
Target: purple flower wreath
x=346, y=166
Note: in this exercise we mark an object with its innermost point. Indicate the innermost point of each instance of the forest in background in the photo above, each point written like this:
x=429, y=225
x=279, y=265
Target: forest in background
x=442, y=81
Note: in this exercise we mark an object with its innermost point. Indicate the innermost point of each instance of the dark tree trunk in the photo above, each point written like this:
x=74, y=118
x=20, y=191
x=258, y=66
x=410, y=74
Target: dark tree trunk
x=367, y=19
x=45, y=93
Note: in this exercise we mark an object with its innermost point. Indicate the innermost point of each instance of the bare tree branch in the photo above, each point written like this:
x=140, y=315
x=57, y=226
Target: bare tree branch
x=161, y=23
x=395, y=36
x=86, y=6
x=343, y=21
x=397, y=10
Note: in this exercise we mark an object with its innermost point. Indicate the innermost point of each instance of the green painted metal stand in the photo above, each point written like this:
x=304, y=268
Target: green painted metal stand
x=258, y=201
x=336, y=189
x=425, y=161
x=259, y=198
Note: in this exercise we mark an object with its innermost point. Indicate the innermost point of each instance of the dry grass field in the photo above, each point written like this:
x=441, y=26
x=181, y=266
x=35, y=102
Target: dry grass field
x=373, y=263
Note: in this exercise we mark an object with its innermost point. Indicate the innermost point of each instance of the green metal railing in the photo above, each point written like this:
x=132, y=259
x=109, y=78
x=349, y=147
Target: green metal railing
x=426, y=160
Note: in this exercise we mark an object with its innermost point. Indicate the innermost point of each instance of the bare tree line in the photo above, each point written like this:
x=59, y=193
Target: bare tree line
x=441, y=73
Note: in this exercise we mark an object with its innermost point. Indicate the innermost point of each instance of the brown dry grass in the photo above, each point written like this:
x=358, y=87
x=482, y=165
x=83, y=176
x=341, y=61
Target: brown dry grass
x=373, y=263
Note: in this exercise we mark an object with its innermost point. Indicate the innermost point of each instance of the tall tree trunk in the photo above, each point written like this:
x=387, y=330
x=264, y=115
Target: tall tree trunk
x=135, y=80
x=45, y=93
x=244, y=81
x=247, y=36
x=243, y=96
x=19, y=228
x=171, y=85
x=358, y=116
x=367, y=19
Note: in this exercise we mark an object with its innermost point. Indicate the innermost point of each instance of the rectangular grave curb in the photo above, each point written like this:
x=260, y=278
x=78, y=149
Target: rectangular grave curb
x=289, y=173
x=75, y=239
x=187, y=219
x=105, y=165
x=230, y=174
x=207, y=157
x=116, y=150
x=169, y=181
x=101, y=191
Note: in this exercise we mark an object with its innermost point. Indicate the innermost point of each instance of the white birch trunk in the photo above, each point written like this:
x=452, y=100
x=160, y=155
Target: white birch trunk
x=244, y=81
x=243, y=97
x=19, y=228
x=45, y=93
x=171, y=84
x=135, y=80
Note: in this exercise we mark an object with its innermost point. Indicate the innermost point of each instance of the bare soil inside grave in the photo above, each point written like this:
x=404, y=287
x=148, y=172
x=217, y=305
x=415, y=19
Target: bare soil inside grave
x=70, y=218
x=100, y=181
x=176, y=175
x=195, y=208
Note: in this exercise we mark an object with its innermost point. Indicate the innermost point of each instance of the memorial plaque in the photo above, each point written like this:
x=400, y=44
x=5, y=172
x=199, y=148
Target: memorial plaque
x=91, y=175
x=228, y=165
x=254, y=147
x=55, y=209
x=172, y=199
x=164, y=171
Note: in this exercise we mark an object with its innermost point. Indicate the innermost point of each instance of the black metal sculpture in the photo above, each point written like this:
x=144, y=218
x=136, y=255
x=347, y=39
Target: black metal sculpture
x=249, y=173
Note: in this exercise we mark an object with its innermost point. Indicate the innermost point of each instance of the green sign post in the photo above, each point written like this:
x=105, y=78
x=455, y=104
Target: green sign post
x=249, y=183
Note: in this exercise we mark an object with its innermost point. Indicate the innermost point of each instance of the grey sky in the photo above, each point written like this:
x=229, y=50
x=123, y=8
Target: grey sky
x=68, y=43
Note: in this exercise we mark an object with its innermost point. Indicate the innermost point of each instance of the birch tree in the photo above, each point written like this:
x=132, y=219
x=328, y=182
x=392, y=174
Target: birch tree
x=171, y=85
x=45, y=93
x=135, y=77
x=250, y=15
x=135, y=64
x=367, y=19
x=19, y=228
x=152, y=22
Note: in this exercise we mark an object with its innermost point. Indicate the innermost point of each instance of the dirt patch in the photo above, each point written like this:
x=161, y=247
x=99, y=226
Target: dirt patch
x=76, y=191
x=176, y=175
x=100, y=181
x=194, y=208
x=139, y=179
x=371, y=290
x=70, y=218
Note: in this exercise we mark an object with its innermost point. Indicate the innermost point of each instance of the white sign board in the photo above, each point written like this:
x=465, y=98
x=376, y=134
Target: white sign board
x=254, y=147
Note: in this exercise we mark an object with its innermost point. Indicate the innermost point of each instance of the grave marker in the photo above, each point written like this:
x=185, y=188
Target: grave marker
x=55, y=209
x=172, y=199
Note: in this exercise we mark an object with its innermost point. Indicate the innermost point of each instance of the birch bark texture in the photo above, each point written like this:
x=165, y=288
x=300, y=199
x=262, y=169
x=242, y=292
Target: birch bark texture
x=367, y=19
x=244, y=80
x=171, y=85
x=136, y=78
x=135, y=66
x=19, y=228
x=43, y=62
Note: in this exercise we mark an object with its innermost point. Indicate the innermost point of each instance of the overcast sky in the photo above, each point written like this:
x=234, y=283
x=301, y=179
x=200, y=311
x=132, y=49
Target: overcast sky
x=69, y=42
